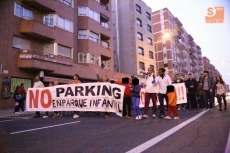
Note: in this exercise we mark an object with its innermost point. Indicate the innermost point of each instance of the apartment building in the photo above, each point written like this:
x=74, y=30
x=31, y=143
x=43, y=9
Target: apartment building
x=210, y=67
x=53, y=39
x=177, y=53
x=133, y=36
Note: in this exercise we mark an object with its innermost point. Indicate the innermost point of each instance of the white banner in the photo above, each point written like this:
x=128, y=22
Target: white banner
x=102, y=97
x=181, y=95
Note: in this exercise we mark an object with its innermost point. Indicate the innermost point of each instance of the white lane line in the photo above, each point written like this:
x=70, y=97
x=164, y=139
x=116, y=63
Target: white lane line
x=15, y=119
x=44, y=127
x=157, y=139
x=227, y=150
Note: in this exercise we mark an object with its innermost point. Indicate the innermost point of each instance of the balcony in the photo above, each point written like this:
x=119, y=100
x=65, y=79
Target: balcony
x=178, y=22
x=191, y=43
x=190, y=38
x=33, y=59
x=179, y=43
x=36, y=29
x=179, y=29
x=42, y=5
x=181, y=63
x=193, y=69
x=192, y=56
x=186, y=54
x=193, y=63
x=191, y=49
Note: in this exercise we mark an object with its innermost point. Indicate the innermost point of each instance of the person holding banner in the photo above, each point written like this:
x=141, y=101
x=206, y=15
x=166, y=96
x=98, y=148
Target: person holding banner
x=104, y=78
x=38, y=84
x=75, y=81
x=177, y=79
x=57, y=113
x=151, y=90
x=135, y=89
x=47, y=113
x=163, y=81
x=127, y=102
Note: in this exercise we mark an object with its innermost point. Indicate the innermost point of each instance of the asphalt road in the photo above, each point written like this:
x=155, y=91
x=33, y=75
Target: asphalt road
x=195, y=132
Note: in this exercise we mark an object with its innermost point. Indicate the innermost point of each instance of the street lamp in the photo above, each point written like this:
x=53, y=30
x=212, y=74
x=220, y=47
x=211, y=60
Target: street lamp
x=167, y=35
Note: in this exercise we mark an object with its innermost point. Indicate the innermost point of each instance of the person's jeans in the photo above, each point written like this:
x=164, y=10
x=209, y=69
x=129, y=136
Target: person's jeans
x=208, y=98
x=192, y=99
x=200, y=101
x=136, y=108
x=161, y=98
x=219, y=98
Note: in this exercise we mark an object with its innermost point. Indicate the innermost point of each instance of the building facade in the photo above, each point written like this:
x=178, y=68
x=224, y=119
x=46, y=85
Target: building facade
x=210, y=67
x=54, y=39
x=178, y=54
x=133, y=38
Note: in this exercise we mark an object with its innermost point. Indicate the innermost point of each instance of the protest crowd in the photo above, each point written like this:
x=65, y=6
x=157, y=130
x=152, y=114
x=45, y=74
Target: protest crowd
x=157, y=90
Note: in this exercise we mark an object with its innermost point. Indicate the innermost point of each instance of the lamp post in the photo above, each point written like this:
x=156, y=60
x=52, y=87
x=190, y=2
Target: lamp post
x=167, y=35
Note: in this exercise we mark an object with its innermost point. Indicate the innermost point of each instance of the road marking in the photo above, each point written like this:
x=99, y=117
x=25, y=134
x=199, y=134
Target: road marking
x=157, y=139
x=44, y=127
x=25, y=118
x=227, y=150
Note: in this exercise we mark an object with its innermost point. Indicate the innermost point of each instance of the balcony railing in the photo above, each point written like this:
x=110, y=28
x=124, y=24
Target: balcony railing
x=105, y=25
x=42, y=5
x=104, y=6
x=37, y=28
x=27, y=56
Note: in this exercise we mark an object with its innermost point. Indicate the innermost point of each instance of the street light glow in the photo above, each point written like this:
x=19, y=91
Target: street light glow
x=167, y=35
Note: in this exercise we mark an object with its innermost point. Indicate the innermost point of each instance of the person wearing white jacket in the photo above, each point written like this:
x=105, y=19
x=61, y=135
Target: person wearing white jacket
x=37, y=84
x=163, y=81
x=151, y=90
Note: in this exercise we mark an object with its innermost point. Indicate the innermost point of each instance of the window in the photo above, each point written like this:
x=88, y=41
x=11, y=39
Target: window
x=64, y=51
x=150, y=42
x=142, y=65
x=165, y=55
x=148, y=16
x=140, y=50
x=138, y=8
x=22, y=12
x=49, y=20
x=82, y=34
x=165, y=64
x=149, y=28
x=21, y=43
x=65, y=24
x=139, y=36
x=164, y=45
x=94, y=15
x=139, y=22
x=83, y=57
x=82, y=11
x=150, y=54
x=66, y=2
x=93, y=37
